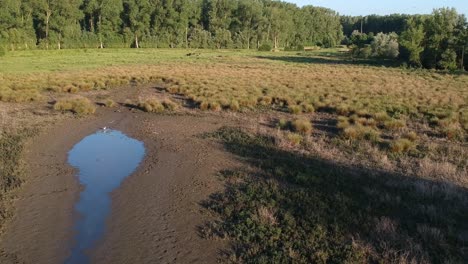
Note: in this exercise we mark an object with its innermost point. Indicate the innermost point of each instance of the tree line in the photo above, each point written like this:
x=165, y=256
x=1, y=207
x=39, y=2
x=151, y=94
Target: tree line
x=438, y=40
x=57, y=24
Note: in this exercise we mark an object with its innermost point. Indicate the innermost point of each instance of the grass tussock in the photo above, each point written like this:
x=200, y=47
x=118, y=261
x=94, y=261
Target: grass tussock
x=110, y=103
x=359, y=132
x=170, y=105
x=303, y=126
x=401, y=145
x=152, y=105
x=78, y=105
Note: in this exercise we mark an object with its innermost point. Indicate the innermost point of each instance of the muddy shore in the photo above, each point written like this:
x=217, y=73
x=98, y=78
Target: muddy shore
x=156, y=211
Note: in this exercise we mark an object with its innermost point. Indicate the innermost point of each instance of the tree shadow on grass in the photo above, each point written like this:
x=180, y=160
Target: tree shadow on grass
x=289, y=207
x=341, y=60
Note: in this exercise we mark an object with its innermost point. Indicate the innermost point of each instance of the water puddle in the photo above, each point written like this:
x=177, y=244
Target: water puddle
x=104, y=160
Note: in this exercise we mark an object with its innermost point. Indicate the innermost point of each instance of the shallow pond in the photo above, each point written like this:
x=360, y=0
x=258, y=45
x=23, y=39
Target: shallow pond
x=104, y=160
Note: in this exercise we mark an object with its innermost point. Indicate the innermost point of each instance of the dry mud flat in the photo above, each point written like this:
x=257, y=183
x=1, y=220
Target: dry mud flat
x=155, y=212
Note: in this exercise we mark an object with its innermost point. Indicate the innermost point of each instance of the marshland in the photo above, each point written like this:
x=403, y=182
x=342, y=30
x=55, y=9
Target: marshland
x=265, y=140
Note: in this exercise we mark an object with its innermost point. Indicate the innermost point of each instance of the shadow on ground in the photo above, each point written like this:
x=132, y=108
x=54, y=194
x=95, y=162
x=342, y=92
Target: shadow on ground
x=340, y=60
x=286, y=207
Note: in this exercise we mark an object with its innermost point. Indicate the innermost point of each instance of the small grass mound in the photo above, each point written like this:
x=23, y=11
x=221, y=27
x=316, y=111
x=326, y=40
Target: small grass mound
x=294, y=138
x=109, y=103
x=170, y=105
x=302, y=126
x=77, y=105
x=295, y=109
x=359, y=132
x=151, y=105
x=401, y=145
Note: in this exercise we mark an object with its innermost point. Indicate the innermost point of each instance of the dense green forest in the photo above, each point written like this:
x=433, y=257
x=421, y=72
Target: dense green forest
x=55, y=24
x=438, y=40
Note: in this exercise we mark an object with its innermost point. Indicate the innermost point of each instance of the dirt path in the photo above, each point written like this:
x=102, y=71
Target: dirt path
x=156, y=211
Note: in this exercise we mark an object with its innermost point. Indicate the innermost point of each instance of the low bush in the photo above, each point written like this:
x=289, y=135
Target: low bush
x=77, y=105
x=265, y=47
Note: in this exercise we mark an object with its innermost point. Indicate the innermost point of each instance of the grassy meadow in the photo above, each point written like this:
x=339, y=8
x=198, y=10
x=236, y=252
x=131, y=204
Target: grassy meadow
x=352, y=162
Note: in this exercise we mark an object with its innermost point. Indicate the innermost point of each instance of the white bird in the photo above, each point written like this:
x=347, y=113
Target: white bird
x=104, y=128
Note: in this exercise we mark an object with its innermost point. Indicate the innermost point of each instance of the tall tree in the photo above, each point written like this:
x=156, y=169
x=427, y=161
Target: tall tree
x=16, y=24
x=102, y=17
x=137, y=17
x=412, y=40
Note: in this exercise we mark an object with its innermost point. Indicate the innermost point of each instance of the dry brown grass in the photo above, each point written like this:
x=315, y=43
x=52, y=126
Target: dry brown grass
x=302, y=126
x=77, y=105
x=152, y=105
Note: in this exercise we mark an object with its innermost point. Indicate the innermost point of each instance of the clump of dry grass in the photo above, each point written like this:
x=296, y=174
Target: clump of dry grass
x=302, y=126
x=170, y=105
x=283, y=123
x=110, y=103
x=265, y=100
x=234, y=105
x=77, y=105
x=295, y=109
x=19, y=96
x=308, y=108
x=152, y=105
x=359, y=132
x=294, y=139
x=412, y=136
x=394, y=124
x=401, y=145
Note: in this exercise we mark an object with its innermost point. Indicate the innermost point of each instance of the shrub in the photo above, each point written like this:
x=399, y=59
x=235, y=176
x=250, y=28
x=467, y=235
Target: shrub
x=265, y=47
x=77, y=105
x=295, y=109
x=152, y=105
x=301, y=126
x=169, y=105
x=110, y=103
x=401, y=145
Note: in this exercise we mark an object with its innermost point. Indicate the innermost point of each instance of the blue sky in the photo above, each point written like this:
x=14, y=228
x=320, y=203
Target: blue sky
x=383, y=7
